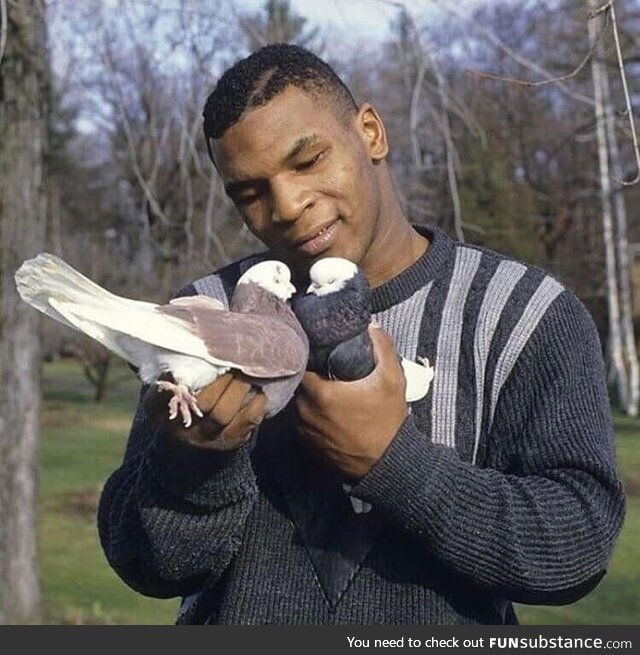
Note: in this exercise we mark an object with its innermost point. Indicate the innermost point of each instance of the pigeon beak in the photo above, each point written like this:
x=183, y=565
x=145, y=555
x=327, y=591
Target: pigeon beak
x=291, y=288
x=313, y=287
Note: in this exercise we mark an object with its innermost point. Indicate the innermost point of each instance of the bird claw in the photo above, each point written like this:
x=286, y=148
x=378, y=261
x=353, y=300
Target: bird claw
x=182, y=402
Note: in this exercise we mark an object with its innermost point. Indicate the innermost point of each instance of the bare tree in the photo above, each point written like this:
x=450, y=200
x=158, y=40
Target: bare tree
x=503, y=161
x=615, y=336
x=608, y=146
x=548, y=161
x=184, y=225
x=23, y=134
x=95, y=360
x=277, y=23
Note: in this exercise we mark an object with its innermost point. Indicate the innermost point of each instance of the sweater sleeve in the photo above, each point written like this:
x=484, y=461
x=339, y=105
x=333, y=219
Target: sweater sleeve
x=536, y=523
x=171, y=517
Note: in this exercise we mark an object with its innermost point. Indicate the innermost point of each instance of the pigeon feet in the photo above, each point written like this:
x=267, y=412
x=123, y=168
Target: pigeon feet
x=182, y=401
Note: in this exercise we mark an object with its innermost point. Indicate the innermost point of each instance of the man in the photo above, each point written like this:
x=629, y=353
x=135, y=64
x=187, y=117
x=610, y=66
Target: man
x=351, y=507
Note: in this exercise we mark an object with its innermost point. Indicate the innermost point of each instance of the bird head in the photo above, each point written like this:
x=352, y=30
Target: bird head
x=330, y=274
x=273, y=276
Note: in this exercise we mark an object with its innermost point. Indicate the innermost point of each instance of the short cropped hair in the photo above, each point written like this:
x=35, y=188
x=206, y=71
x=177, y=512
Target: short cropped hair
x=255, y=80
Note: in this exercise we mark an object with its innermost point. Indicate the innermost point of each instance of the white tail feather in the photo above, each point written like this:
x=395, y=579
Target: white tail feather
x=53, y=287
x=48, y=276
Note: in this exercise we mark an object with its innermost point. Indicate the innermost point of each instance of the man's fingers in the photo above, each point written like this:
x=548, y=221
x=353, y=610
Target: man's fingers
x=209, y=396
x=384, y=351
x=230, y=402
x=251, y=416
x=319, y=391
x=242, y=424
x=308, y=418
x=310, y=382
x=218, y=401
x=383, y=345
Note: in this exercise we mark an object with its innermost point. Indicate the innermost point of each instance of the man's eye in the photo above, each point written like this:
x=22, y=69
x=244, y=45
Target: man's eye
x=303, y=166
x=246, y=198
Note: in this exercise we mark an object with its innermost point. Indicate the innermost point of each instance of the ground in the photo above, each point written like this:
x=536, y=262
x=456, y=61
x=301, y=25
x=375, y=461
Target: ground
x=83, y=442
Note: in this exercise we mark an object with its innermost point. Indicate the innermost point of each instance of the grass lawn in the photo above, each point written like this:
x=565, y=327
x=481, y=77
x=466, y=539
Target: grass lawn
x=82, y=442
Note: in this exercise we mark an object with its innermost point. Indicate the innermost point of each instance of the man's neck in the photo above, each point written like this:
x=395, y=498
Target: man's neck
x=396, y=247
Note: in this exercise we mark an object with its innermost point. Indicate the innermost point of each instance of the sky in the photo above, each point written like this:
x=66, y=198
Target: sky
x=346, y=25
x=360, y=18
x=367, y=18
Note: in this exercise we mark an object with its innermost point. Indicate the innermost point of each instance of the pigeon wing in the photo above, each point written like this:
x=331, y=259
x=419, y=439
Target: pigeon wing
x=260, y=345
x=137, y=321
x=202, y=301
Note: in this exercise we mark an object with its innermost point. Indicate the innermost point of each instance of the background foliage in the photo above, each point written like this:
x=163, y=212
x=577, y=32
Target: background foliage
x=133, y=202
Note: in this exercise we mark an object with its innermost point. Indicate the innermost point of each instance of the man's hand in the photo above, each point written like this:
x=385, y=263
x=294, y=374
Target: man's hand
x=231, y=413
x=353, y=423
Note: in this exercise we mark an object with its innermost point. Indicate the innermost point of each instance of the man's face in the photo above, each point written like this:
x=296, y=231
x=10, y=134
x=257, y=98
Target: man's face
x=304, y=182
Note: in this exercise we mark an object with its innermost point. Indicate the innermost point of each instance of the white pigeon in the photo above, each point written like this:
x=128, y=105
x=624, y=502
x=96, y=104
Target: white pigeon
x=195, y=339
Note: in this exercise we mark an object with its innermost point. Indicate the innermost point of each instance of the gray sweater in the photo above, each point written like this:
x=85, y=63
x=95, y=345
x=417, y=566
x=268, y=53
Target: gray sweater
x=500, y=486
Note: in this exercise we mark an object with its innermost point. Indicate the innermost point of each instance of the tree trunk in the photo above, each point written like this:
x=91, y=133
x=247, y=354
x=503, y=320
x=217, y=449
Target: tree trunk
x=24, y=104
x=615, y=337
x=102, y=380
x=624, y=272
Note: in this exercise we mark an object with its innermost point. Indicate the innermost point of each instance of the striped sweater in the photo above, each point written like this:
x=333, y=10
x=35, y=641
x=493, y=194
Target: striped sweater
x=500, y=486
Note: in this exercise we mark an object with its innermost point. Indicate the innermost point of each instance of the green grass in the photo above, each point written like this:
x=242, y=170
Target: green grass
x=83, y=442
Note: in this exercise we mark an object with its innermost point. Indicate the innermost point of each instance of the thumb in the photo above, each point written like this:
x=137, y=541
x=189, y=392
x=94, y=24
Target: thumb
x=383, y=345
x=388, y=361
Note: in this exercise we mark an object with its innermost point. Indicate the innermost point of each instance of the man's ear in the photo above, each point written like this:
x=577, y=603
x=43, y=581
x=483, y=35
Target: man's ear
x=371, y=130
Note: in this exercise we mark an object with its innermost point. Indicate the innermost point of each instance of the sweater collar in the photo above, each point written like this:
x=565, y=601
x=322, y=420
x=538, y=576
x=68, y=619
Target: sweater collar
x=424, y=269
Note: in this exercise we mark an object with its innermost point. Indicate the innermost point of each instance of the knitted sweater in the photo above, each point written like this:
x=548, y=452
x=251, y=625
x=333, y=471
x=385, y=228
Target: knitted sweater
x=500, y=486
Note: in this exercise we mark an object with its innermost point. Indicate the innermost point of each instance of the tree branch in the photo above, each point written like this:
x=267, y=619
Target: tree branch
x=413, y=113
x=450, y=148
x=517, y=57
x=595, y=12
x=3, y=27
x=553, y=80
x=427, y=58
x=128, y=131
x=629, y=109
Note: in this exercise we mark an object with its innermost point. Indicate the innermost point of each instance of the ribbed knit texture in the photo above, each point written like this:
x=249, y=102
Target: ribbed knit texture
x=500, y=486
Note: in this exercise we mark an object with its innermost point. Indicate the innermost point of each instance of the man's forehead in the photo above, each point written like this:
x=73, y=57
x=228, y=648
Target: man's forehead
x=277, y=130
x=287, y=109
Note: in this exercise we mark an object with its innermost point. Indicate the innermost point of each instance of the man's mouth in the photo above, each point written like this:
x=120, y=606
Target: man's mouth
x=318, y=241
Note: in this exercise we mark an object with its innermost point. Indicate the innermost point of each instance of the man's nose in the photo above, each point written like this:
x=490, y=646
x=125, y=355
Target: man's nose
x=290, y=199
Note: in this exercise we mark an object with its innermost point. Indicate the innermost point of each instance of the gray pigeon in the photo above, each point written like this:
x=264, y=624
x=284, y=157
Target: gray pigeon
x=335, y=313
x=195, y=339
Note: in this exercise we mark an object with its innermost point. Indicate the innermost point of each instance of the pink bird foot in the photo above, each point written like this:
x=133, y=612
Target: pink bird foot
x=182, y=401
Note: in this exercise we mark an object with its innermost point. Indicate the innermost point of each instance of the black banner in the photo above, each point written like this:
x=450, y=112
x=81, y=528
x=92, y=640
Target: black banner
x=328, y=640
